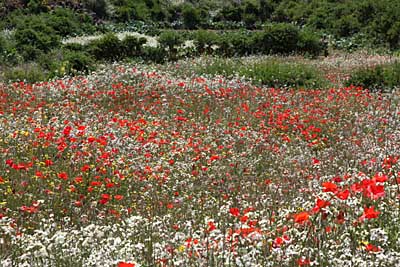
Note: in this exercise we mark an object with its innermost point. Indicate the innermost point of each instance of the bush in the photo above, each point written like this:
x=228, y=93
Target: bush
x=108, y=47
x=99, y=7
x=65, y=22
x=380, y=78
x=8, y=52
x=239, y=43
x=204, y=40
x=35, y=38
x=191, y=17
x=74, y=47
x=170, y=40
x=154, y=54
x=274, y=39
x=269, y=73
x=311, y=44
x=3, y=45
x=284, y=75
x=133, y=46
x=124, y=13
x=77, y=62
x=27, y=72
x=280, y=38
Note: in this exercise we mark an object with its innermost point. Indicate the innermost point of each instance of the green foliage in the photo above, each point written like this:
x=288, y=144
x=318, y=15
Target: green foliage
x=77, y=62
x=311, y=44
x=280, y=75
x=231, y=13
x=280, y=38
x=31, y=72
x=191, y=17
x=36, y=6
x=37, y=34
x=379, y=78
x=8, y=52
x=108, y=47
x=269, y=73
x=170, y=39
x=204, y=40
x=154, y=54
x=99, y=7
x=125, y=13
x=133, y=46
x=35, y=39
x=65, y=22
x=74, y=47
x=3, y=45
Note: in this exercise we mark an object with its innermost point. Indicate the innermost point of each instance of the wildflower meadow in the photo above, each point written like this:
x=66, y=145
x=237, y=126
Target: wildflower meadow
x=133, y=166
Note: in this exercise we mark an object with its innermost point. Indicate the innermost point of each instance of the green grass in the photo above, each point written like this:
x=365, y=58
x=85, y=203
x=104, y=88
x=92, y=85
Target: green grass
x=271, y=73
x=379, y=78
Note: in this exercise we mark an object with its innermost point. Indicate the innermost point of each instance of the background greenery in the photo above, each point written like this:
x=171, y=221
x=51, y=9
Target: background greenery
x=31, y=31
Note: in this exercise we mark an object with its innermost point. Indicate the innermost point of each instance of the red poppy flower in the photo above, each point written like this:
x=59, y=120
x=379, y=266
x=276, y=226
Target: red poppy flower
x=211, y=226
x=125, y=264
x=380, y=178
x=372, y=248
x=329, y=187
x=63, y=175
x=301, y=217
x=303, y=262
x=244, y=218
x=343, y=195
x=278, y=242
x=321, y=204
x=234, y=211
x=369, y=213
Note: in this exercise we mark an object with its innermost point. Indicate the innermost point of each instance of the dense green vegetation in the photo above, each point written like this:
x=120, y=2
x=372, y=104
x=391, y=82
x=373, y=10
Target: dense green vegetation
x=379, y=78
x=271, y=73
x=31, y=31
x=377, y=20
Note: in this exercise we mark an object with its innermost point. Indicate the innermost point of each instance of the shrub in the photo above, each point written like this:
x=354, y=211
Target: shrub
x=29, y=52
x=204, y=40
x=154, y=54
x=74, y=47
x=124, y=13
x=35, y=38
x=107, y=47
x=77, y=62
x=284, y=75
x=65, y=22
x=311, y=44
x=36, y=6
x=170, y=40
x=8, y=52
x=99, y=7
x=239, y=43
x=50, y=61
x=269, y=73
x=379, y=78
x=191, y=17
x=231, y=13
x=27, y=72
x=3, y=45
x=132, y=45
x=280, y=38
